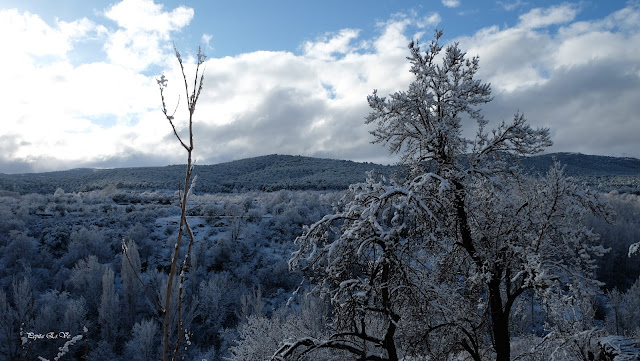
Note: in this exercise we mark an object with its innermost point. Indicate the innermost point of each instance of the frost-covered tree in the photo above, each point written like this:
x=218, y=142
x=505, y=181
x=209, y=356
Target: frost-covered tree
x=219, y=297
x=433, y=263
x=144, y=344
x=86, y=281
x=108, y=311
x=21, y=252
x=23, y=301
x=131, y=287
x=625, y=311
x=8, y=334
x=84, y=242
x=258, y=334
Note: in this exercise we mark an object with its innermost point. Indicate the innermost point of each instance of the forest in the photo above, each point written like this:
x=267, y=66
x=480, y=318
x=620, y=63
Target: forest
x=468, y=249
x=61, y=251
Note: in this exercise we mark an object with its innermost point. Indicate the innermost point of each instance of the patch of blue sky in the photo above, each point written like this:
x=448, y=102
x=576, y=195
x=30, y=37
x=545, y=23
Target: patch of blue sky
x=86, y=52
x=246, y=26
x=103, y=120
x=330, y=90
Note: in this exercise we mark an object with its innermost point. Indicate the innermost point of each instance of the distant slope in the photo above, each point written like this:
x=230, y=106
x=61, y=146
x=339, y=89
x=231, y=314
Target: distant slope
x=274, y=172
x=577, y=164
x=601, y=173
x=265, y=173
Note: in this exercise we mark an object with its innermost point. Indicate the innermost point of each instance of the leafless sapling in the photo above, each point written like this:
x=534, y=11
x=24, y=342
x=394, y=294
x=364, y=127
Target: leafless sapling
x=177, y=270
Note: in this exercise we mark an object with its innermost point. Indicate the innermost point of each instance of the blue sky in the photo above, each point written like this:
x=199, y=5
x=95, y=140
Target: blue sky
x=291, y=77
x=238, y=27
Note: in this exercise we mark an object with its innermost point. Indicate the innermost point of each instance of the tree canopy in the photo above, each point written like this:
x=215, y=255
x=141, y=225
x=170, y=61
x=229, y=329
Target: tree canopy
x=433, y=262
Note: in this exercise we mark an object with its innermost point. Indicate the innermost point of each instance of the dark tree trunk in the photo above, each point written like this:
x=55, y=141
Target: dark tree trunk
x=499, y=322
x=389, y=342
x=499, y=313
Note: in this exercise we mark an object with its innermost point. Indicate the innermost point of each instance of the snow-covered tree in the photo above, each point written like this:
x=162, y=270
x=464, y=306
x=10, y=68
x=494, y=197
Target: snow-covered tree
x=8, y=334
x=85, y=242
x=433, y=263
x=86, y=281
x=131, y=287
x=108, y=311
x=625, y=311
x=23, y=301
x=258, y=334
x=144, y=342
x=20, y=252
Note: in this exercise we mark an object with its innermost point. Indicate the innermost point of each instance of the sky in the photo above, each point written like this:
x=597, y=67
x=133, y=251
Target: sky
x=78, y=82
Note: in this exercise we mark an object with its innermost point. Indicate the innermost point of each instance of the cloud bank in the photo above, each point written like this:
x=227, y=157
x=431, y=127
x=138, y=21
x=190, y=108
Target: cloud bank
x=579, y=78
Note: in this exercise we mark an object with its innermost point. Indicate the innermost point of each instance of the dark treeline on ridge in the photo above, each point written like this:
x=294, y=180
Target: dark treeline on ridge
x=276, y=172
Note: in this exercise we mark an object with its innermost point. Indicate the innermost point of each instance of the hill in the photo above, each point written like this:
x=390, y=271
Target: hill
x=274, y=172
x=265, y=173
x=602, y=173
x=577, y=164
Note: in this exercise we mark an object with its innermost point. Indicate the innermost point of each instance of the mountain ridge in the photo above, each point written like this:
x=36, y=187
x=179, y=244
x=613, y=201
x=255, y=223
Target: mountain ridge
x=274, y=172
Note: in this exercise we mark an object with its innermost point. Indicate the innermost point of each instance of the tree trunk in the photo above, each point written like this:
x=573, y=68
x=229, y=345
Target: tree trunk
x=499, y=322
x=499, y=317
x=389, y=342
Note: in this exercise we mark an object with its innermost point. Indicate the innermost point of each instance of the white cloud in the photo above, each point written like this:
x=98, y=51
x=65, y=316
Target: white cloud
x=312, y=104
x=144, y=27
x=328, y=46
x=66, y=115
x=451, y=3
x=509, y=6
x=581, y=80
x=430, y=20
x=257, y=103
x=540, y=18
x=206, y=39
x=27, y=37
x=146, y=16
x=393, y=39
x=510, y=58
x=61, y=115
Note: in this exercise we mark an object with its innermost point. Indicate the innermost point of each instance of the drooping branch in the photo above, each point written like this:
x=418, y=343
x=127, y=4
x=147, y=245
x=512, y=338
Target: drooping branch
x=310, y=344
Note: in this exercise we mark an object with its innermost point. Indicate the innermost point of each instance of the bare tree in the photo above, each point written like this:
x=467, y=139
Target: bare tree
x=178, y=269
